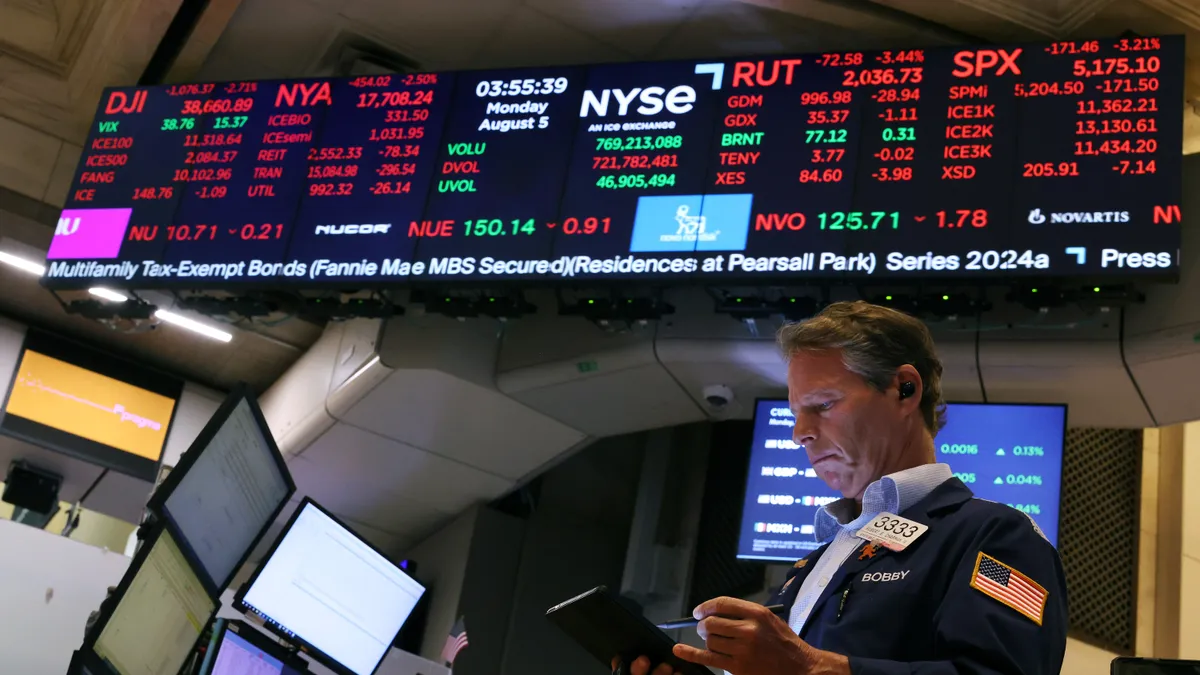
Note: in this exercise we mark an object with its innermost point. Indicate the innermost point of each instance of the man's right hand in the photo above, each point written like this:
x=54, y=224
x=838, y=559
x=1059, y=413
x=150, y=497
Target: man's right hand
x=641, y=666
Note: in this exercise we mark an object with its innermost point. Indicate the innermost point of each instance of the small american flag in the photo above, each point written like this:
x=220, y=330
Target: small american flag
x=997, y=580
x=455, y=642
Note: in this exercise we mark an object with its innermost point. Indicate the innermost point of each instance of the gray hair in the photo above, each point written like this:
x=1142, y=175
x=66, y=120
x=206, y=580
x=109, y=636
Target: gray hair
x=874, y=341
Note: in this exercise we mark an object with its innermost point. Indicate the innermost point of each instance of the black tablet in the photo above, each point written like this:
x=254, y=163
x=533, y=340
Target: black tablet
x=1126, y=665
x=606, y=628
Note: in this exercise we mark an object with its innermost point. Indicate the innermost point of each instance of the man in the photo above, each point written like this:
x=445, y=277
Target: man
x=962, y=585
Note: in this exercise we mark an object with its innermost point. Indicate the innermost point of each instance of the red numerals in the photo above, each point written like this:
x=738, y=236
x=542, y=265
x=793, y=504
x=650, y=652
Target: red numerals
x=961, y=218
x=882, y=76
x=828, y=156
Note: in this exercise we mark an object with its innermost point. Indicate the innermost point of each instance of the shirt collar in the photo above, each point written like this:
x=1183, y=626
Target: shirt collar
x=893, y=493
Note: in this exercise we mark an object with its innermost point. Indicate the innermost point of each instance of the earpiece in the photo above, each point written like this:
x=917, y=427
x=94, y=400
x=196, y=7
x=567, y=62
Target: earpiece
x=907, y=389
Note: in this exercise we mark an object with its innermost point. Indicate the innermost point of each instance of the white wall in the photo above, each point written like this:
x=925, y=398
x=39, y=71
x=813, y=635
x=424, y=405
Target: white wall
x=196, y=406
x=1189, y=564
x=48, y=586
x=1084, y=659
x=442, y=564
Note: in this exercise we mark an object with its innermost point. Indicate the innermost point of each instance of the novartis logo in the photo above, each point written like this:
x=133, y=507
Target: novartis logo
x=1036, y=217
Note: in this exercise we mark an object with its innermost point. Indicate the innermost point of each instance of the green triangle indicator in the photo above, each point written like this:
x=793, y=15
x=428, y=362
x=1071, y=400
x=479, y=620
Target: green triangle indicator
x=998, y=481
x=1000, y=452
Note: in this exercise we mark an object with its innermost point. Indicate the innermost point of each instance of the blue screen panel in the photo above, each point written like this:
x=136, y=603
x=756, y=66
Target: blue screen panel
x=1011, y=454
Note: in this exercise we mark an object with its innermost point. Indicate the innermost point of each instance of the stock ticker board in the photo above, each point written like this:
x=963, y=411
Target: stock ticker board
x=1054, y=160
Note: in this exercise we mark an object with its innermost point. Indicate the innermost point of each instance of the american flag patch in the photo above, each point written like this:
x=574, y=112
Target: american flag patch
x=997, y=580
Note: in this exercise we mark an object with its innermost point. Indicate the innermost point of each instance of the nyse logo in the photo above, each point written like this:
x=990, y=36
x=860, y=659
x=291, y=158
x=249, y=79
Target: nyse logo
x=381, y=228
x=66, y=226
x=653, y=100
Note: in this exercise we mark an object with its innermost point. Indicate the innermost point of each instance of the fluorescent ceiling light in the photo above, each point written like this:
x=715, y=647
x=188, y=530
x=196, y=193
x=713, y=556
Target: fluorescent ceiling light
x=192, y=325
x=22, y=264
x=106, y=294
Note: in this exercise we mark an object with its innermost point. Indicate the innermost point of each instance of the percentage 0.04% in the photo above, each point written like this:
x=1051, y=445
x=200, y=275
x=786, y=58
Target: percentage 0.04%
x=1031, y=509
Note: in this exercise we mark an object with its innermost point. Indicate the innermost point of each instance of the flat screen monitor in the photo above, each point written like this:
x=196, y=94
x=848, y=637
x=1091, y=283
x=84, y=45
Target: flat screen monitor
x=1128, y=665
x=241, y=650
x=160, y=611
x=228, y=488
x=1006, y=453
x=91, y=406
x=327, y=589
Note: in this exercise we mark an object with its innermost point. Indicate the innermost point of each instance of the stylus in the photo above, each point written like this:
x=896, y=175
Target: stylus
x=688, y=622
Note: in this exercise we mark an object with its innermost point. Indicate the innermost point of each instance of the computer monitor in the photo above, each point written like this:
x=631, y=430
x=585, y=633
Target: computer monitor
x=228, y=488
x=1007, y=453
x=90, y=406
x=325, y=588
x=1128, y=665
x=242, y=650
x=161, y=608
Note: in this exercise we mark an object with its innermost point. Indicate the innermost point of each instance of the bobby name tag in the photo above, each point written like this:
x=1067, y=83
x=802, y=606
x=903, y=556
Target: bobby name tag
x=892, y=531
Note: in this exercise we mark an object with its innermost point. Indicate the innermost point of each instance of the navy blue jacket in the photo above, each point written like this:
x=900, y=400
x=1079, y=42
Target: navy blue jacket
x=915, y=612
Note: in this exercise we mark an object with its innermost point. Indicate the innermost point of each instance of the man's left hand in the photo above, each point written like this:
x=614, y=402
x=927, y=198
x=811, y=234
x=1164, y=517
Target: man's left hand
x=744, y=638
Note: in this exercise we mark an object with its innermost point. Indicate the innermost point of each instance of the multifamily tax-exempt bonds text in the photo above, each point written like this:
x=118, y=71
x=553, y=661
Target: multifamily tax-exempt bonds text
x=734, y=264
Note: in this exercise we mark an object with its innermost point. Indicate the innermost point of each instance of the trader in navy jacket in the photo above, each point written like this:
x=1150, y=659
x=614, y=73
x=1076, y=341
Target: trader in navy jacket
x=915, y=575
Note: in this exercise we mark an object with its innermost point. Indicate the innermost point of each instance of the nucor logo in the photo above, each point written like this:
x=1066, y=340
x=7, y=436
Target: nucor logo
x=677, y=101
x=381, y=228
x=66, y=226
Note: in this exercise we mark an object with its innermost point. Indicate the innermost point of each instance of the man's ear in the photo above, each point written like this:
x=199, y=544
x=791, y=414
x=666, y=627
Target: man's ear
x=908, y=385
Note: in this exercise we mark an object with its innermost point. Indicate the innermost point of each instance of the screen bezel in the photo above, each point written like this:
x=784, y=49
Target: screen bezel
x=158, y=501
x=308, y=648
x=88, y=649
x=78, y=447
x=247, y=632
x=750, y=460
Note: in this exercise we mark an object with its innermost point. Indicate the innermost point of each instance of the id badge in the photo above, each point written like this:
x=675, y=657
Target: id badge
x=892, y=532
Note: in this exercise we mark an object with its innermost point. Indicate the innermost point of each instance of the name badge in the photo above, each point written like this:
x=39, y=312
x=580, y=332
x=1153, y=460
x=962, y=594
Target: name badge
x=892, y=532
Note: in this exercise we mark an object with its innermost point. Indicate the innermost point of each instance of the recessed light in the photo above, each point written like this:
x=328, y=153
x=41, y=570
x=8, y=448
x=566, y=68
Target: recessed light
x=22, y=264
x=192, y=325
x=107, y=294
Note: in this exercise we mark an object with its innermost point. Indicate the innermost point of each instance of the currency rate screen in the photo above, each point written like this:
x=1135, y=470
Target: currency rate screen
x=1047, y=160
x=1010, y=454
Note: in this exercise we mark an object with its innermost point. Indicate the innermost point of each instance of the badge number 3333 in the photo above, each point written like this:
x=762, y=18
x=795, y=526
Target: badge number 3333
x=892, y=531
